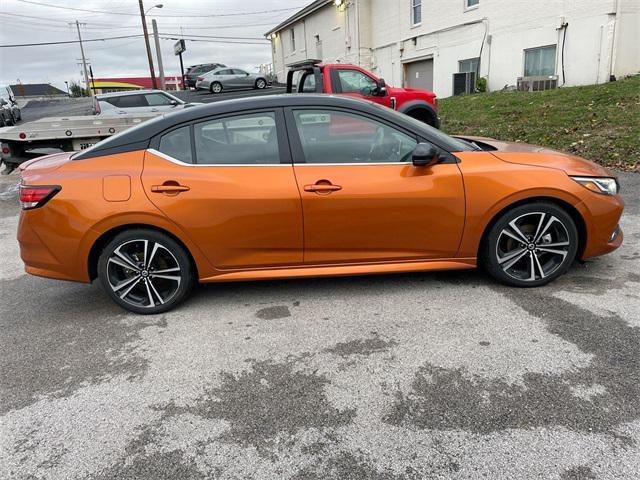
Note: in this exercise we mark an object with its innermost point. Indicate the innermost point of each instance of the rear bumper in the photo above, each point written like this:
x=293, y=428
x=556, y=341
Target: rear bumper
x=38, y=259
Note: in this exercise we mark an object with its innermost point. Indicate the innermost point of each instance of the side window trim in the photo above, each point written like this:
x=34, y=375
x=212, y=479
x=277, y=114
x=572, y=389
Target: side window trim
x=295, y=142
x=286, y=158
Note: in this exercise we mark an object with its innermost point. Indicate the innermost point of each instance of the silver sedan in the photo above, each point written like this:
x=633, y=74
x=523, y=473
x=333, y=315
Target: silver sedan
x=229, y=79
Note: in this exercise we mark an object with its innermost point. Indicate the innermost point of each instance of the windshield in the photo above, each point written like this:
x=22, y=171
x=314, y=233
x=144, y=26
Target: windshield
x=439, y=137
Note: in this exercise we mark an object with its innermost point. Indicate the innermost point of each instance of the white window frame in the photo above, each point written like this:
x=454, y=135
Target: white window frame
x=413, y=4
x=467, y=7
x=292, y=39
x=524, y=59
x=467, y=60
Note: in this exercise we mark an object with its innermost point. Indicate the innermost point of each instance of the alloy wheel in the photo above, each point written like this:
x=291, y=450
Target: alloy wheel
x=261, y=84
x=143, y=273
x=533, y=246
x=216, y=88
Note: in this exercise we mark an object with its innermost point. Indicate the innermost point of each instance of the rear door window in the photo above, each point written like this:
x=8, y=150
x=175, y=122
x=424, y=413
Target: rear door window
x=242, y=140
x=131, y=101
x=177, y=144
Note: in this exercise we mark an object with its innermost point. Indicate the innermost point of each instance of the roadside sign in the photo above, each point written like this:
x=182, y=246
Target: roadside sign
x=179, y=47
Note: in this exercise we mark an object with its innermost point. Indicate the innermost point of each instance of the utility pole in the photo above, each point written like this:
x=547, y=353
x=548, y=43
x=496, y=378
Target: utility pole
x=159, y=53
x=84, y=61
x=146, y=42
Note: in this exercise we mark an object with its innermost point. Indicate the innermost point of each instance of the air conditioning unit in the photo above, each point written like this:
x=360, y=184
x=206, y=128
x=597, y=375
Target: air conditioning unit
x=464, y=83
x=537, y=84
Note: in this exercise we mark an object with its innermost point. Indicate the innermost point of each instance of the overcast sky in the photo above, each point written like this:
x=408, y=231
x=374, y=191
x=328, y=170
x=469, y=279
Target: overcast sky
x=127, y=57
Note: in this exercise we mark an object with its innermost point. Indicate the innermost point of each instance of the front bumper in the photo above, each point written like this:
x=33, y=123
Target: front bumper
x=602, y=218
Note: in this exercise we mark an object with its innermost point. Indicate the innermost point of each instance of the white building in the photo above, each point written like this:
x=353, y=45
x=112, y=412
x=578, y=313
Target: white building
x=422, y=43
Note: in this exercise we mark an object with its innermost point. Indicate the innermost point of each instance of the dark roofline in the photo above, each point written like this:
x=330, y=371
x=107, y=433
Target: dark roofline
x=300, y=14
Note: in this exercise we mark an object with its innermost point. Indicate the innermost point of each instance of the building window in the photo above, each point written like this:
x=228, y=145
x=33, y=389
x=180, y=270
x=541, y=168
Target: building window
x=469, y=65
x=293, y=40
x=471, y=3
x=540, y=62
x=416, y=12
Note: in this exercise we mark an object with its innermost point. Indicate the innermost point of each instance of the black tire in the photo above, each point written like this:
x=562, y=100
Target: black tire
x=260, y=84
x=140, y=290
x=214, y=86
x=551, y=246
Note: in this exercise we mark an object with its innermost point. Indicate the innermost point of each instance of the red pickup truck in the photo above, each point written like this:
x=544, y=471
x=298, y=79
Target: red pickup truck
x=348, y=79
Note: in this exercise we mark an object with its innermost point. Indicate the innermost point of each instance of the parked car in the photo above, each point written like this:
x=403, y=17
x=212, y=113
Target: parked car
x=346, y=79
x=230, y=79
x=302, y=186
x=137, y=101
x=194, y=71
x=10, y=112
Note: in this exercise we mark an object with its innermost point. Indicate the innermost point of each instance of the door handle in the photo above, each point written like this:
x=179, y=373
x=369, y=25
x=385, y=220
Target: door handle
x=171, y=188
x=322, y=188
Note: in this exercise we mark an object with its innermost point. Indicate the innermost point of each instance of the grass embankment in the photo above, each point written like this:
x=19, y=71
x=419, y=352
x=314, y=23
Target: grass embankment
x=598, y=122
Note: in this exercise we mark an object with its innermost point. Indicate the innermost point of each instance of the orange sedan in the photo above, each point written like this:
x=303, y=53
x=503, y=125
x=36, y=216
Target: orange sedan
x=301, y=186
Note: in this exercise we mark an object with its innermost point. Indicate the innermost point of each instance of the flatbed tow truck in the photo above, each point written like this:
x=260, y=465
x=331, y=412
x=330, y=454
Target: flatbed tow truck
x=29, y=140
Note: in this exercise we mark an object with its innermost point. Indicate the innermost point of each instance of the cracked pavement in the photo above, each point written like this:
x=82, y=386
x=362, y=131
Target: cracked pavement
x=413, y=376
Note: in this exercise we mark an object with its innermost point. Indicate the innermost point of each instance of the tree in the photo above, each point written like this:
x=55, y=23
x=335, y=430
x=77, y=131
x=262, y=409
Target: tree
x=75, y=90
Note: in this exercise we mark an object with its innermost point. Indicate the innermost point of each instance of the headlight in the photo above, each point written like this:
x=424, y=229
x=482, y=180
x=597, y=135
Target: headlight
x=604, y=185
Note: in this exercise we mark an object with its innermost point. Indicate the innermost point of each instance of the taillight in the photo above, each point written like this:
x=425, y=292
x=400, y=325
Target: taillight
x=35, y=196
x=96, y=107
x=200, y=79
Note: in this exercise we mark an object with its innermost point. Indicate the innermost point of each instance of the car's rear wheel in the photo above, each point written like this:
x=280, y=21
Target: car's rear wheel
x=145, y=271
x=530, y=245
x=216, y=87
x=261, y=83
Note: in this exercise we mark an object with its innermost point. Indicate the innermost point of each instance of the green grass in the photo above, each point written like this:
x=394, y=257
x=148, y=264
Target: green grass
x=598, y=122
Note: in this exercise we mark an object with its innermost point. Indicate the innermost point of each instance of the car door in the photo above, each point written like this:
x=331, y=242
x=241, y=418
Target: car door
x=362, y=198
x=229, y=184
x=243, y=79
x=355, y=83
x=226, y=78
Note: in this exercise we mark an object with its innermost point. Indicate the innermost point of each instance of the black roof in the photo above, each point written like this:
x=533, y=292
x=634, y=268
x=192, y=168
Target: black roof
x=35, y=90
x=139, y=137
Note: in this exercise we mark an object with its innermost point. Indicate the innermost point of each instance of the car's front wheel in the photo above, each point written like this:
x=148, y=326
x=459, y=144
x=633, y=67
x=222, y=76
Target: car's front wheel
x=145, y=271
x=530, y=245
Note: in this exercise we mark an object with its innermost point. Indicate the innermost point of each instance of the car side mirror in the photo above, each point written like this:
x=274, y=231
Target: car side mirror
x=173, y=103
x=382, y=88
x=424, y=155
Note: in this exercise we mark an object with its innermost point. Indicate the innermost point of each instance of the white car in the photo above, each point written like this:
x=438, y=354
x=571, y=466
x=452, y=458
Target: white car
x=137, y=101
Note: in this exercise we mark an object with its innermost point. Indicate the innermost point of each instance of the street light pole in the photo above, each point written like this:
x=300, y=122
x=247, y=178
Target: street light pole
x=159, y=53
x=146, y=42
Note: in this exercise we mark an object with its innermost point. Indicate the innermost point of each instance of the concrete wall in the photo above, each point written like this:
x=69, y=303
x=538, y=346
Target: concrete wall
x=602, y=38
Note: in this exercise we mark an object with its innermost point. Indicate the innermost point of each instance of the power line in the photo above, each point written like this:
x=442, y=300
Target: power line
x=69, y=41
x=160, y=15
x=166, y=36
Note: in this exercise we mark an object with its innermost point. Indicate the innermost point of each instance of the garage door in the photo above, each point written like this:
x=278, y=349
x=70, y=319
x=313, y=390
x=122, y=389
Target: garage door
x=419, y=74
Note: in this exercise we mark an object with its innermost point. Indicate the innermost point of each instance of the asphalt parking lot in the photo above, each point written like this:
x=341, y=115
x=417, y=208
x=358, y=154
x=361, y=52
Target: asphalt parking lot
x=409, y=376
